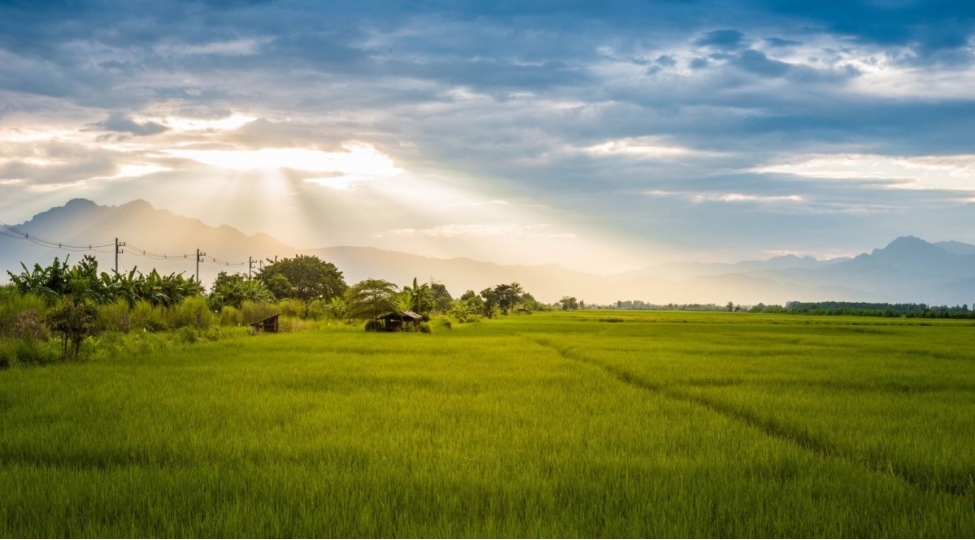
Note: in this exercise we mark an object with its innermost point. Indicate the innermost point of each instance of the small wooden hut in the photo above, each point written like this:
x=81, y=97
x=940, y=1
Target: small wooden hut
x=269, y=325
x=397, y=321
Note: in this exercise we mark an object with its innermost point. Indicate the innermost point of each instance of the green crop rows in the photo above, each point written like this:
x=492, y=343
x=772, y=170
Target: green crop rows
x=587, y=424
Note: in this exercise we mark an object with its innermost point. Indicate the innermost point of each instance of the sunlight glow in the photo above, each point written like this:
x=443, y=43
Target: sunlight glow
x=358, y=160
x=223, y=124
x=926, y=172
x=645, y=148
x=725, y=197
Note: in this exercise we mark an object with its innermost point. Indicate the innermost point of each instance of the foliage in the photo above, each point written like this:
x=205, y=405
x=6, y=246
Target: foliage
x=114, y=317
x=233, y=289
x=338, y=308
x=489, y=306
x=370, y=298
x=73, y=320
x=869, y=309
x=83, y=281
x=440, y=298
x=507, y=296
x=230, y=316
x=418, y=298
x=467, y=307
x=569, y=303
x=192, y=312
x=305, y=277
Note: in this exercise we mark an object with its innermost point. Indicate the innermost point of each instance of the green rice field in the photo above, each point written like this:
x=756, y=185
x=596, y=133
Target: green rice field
x=581, y=424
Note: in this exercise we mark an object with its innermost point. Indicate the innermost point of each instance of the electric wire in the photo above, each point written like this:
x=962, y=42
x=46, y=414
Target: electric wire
x=10, y=231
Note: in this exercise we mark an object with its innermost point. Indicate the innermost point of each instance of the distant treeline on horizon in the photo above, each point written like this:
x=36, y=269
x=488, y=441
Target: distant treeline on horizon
x=864, y=309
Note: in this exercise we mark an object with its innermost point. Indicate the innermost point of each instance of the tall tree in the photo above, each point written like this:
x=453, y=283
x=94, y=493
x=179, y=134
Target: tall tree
x=441, y=297
x=305, y=277
x=419, y=298
x=370, y=298
x=507, y=296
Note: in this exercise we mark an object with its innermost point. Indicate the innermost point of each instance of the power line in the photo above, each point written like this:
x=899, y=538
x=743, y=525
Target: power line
x=10, y=231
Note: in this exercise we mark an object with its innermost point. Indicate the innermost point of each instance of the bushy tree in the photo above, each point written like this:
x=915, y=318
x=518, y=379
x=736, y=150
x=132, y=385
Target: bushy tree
x=507, y=296
x=73, y=320
x=304, y=277
x=569, y=303
x=490, y=305
x=370, y=298
x=441, y=297
x=233, y=289
x=418, y=298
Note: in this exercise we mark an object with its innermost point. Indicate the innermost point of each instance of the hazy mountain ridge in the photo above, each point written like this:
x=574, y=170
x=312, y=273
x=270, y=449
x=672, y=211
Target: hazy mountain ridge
x=906, y=270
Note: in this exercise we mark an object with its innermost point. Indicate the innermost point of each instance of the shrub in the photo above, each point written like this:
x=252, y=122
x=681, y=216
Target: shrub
x=34, y=353
x=424, y=328
x=8, y=357
x=148, y=318
x=318, y=309
x=12, y=307
x=193, y=311
x=187, y=334
x=74, y=320
x=373, y=325
x=114, y=317
x=291, y=307
x=444, y=322
x=293, y=324
x=230, y=316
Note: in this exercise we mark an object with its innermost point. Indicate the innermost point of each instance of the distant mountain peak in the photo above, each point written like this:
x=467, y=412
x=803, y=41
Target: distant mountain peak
x=908, y=246
x=138, y=204
x=80, y=203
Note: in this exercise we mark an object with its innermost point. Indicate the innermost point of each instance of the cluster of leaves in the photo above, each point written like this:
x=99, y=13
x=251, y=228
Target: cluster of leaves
x=504, y=299
x=234, y=289
x=83, y=282
x=569, y=303
x=304, y=277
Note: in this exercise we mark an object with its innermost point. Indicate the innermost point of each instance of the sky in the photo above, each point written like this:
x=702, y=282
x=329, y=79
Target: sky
x=601, y=136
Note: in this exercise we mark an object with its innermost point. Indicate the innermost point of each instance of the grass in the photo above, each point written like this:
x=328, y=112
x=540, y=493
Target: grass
x=652, y=424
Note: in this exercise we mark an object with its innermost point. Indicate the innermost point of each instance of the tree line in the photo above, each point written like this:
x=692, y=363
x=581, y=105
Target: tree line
x=72, y=303
x=869, y=309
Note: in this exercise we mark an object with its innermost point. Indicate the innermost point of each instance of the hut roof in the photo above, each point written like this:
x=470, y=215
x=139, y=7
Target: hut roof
x=262, y=321
x=401, y=315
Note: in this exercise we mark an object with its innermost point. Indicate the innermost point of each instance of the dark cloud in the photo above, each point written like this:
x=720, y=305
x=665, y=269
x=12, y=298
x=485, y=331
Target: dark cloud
x=665, y=60
x=779, y=42
x=756, y=62
x=120, y=123
x=722, y=39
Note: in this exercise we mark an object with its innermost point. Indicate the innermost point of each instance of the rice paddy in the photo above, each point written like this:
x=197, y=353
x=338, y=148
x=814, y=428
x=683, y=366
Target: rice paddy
x=586, y=424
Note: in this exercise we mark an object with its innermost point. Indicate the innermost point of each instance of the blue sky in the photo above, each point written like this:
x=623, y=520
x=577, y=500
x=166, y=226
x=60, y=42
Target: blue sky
x=602, y=136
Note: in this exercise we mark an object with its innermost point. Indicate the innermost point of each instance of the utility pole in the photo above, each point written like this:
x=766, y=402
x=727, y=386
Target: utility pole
x=250, y=267
x=199, y=257
x=118, y=249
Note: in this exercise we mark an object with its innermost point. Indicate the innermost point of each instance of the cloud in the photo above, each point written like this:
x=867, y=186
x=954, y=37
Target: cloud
x=727, y=197
x=756, y=62
x=925, y=172
x=728, y=40
x=120, y=123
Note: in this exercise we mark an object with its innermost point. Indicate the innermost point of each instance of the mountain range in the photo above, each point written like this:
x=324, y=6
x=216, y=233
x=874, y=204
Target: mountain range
x=906, y=270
